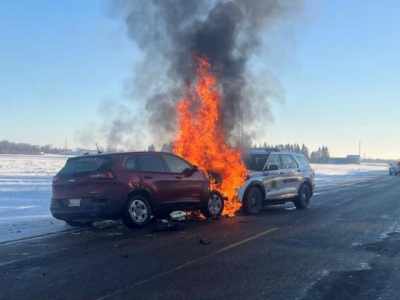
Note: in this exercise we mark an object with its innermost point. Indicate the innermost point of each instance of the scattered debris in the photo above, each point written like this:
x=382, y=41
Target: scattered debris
x=178, y=215
x=161, y=225
x=205, y=242
x=167, y=225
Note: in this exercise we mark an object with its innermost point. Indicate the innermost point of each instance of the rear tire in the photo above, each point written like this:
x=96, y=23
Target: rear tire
x=252, y=204
x=302, y=201
x=137, y=212
x=78, y=224
x=214, y=206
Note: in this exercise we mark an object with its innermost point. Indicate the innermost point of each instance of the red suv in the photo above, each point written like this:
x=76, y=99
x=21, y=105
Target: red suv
x=130, y=186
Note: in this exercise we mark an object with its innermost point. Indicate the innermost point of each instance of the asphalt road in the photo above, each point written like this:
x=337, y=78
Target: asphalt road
x=345, y=246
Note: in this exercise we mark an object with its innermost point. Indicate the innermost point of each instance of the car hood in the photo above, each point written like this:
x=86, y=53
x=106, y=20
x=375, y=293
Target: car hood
x=253, y=173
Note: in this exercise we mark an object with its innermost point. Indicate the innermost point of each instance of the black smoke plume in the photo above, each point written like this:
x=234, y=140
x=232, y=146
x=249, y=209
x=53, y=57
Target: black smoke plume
x=169, y=32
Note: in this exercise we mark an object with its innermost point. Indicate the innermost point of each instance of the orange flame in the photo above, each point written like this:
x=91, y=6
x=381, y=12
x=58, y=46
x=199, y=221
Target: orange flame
x=203, y=143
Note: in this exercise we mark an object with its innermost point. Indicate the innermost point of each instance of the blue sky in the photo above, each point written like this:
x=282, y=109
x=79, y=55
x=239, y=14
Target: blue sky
x=60, y=59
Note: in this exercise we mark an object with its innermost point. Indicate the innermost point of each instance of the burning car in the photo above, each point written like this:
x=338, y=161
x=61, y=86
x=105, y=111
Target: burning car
x=275, y=178
x=132, y=187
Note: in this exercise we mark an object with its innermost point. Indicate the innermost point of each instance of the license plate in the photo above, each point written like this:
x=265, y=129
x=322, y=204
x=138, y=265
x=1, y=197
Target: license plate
x=74, y=202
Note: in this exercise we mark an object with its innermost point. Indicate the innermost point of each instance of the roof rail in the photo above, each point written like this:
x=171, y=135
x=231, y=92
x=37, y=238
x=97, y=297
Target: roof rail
x=266, y=149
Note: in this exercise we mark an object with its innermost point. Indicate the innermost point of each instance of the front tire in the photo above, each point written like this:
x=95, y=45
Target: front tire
x=302, y=201
x=252, y=204
x=214, y=206
x=137, y=212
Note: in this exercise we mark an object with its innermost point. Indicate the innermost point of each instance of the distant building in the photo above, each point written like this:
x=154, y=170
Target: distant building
x=350, y=159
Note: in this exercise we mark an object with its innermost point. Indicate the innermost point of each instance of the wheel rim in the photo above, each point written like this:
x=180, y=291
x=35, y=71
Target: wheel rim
x=215, y=204
x=305, y=196
x=254, y=201
x=138, y=211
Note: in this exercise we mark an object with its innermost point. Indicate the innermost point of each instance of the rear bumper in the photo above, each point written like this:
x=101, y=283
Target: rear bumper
x=90, y=208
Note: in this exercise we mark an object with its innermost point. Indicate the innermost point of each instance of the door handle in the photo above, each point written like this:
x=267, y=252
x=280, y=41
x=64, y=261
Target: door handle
x=178, y=177
x=147, y=177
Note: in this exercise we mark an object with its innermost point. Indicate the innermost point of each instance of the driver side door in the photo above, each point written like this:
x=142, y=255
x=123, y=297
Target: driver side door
x=273, y=180
x=189, y=184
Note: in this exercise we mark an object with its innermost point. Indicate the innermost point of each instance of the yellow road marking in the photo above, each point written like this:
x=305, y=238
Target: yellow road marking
x=224, y=249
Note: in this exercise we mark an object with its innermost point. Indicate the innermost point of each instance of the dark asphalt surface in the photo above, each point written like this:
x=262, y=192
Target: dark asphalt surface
x=345, y=246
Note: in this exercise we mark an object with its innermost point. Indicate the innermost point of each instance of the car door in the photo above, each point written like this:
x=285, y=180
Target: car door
x=154, y=177
x=290, y=174
x=273, y=180
x=189, y=184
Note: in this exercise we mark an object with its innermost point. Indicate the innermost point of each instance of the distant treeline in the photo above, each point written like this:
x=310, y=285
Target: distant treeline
x=7, y=147
x=377, y=161
x=320, y=156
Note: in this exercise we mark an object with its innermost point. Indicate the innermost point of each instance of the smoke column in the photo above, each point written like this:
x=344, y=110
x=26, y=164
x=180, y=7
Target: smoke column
x=169, y=33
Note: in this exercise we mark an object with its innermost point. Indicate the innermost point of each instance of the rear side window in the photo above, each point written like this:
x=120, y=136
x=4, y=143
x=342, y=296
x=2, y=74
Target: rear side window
x=288, y=162
x=303, y=161
x=85, y=165
x=274, y=160
x=175, y=164
x=131, y=164
x=150, y=163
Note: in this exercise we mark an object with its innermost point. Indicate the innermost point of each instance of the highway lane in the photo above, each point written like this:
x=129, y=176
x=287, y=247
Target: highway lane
x=345, y=246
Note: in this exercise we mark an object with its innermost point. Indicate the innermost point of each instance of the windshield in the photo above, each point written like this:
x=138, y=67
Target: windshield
x=255, y=162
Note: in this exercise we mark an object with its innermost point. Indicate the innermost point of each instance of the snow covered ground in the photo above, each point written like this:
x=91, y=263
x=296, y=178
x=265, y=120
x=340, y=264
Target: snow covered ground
x=329, y=175
x=25, y=191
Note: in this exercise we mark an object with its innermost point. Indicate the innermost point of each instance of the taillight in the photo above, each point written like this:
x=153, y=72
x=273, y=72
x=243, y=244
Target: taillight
x=55, y=179
x=106, y=175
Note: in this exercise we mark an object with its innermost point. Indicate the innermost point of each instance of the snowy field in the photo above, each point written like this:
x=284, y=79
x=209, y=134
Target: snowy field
x=25, y=191
x=329, y=175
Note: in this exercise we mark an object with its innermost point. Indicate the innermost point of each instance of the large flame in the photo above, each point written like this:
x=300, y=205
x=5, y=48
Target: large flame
x=203, y=143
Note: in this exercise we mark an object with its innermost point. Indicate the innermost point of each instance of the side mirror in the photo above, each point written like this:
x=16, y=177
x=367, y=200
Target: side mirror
x=188, y=172
x=273, y=167
x=195, y=168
